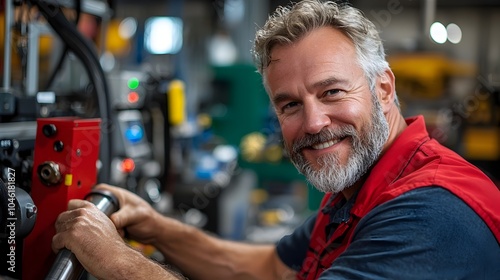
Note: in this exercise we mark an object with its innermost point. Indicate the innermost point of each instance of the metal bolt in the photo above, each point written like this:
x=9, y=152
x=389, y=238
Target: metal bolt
x=49, y=173
x=78, y=152
x=31, y=210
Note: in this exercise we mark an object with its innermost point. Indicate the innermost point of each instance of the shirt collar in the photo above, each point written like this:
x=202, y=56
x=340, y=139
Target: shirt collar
x=392, y=163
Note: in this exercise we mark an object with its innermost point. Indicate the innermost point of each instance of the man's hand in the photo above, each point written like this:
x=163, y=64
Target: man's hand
x=90, y=235
x=96, y=243
x=135, y=215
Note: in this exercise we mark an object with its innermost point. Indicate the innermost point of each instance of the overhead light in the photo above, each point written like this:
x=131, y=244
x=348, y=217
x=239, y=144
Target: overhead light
x=438, y=33
x=163, y=35
x=454, y=33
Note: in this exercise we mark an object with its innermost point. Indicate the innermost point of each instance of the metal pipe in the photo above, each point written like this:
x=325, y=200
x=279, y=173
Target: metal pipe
x=66, y=265
x=429, y=15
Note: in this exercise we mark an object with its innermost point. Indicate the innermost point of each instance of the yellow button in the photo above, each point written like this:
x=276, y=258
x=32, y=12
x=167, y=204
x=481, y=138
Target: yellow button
x=68, y=179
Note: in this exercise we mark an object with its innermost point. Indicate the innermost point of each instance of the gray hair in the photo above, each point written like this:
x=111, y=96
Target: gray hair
x=289, y=24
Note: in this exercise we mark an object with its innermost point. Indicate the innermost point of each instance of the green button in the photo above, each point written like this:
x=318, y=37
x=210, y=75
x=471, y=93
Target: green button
x=133, y=83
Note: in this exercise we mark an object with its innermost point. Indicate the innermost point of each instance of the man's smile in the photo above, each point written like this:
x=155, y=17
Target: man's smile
x=327, y=144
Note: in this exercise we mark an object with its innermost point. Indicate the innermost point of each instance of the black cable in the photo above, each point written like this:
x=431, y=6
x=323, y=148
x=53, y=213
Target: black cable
x=62, y=57
x=83, y=49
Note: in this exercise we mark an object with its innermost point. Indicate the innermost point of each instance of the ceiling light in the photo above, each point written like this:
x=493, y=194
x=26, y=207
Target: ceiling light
x=454, y=33
x=438, y=33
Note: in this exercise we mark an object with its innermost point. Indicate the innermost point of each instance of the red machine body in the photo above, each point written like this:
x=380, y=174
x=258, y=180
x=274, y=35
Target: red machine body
x=64, y=168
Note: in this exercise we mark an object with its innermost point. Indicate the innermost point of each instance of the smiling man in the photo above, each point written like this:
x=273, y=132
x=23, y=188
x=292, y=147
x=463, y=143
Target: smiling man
x=333, y=122
x=397, y=204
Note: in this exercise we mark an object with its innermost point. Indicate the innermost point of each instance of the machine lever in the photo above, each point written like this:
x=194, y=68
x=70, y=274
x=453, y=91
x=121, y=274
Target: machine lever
x=66, y=265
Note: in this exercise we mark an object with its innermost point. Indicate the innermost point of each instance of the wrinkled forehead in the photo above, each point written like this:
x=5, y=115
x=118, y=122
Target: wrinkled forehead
x=322, y=51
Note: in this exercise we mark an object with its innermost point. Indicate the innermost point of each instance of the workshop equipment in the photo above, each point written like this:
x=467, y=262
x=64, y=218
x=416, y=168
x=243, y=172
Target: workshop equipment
x=64, y=168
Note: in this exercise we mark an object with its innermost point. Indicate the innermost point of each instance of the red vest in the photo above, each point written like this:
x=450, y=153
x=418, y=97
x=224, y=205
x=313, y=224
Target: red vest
x=414, y=160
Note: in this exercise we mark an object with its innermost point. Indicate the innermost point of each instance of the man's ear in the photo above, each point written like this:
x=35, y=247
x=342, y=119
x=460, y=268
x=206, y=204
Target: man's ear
x=386, y=89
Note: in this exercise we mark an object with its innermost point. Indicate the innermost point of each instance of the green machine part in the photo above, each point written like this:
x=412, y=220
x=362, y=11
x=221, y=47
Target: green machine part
x=241, y=103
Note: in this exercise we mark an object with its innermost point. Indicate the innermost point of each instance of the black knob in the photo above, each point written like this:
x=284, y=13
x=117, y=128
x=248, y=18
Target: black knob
x=49, y=130
x=58, y=146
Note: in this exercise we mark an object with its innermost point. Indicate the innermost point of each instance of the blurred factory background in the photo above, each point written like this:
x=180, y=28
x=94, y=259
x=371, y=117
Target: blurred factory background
x=186, y=122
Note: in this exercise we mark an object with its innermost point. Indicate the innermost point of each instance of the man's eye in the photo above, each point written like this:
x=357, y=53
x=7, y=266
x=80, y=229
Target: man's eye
x=332, y=92
x=289, y=106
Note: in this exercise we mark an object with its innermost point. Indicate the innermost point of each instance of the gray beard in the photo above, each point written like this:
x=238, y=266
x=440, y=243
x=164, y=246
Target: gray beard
x=367, y=146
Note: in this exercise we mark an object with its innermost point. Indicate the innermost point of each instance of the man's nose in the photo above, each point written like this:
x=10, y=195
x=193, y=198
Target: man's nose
x=316, y=118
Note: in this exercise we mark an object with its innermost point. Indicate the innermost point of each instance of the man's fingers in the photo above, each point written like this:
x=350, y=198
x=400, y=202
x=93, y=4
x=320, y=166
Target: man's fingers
x=65, y=219
x=78, y=203
x=125, y=215
x=120, y=218
x=65, y=228
x=76, y=208
x=118, y=192
x=57, y=243
x=76, y=216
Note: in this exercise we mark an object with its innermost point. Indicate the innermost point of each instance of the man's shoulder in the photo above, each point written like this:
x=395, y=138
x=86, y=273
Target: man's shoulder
x=434, y=159
x=432, y=211
x=436, y=165
x=428, y=232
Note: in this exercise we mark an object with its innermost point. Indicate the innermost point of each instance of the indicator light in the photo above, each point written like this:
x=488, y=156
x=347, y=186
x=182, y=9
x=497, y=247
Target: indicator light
x=133, y=97
x=133, y=83
x=134, y=133
x=128, y=165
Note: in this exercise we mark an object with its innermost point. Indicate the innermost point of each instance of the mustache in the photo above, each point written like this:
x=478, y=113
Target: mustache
x=323, y=136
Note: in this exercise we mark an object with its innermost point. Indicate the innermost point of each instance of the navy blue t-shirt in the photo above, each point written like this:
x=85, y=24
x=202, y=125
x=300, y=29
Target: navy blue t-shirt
x=427, y=233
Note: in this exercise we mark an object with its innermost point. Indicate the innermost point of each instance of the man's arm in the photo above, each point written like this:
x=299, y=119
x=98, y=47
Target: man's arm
x=195, y=253
x=202, y=256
